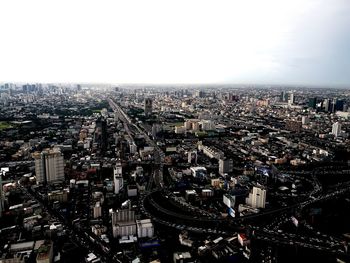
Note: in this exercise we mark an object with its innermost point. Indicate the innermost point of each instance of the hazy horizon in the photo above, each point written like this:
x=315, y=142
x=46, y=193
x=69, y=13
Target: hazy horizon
x=293, y=43
x=184, y=85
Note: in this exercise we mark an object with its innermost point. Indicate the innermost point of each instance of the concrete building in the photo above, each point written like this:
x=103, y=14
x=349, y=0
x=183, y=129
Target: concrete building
x=118, y=178
x=305, y=120
x=191, y=125
x=225, y=166
x=132, y=190
x=199, y=94
x=283, y=96
x=257, y=198
x=327, y=105
x=207, y=125
x=29, y=245
x=97, y=210
x=123, y=223
x=291, y=99
x=192, y=157
x=123, y=215
x=98, y=230
x=336, y=129
x=122, y=229
x=49, y=166
x=133, y=148
x=148, y=107
x=145, y=228
x=180, y=129
x=212, y=152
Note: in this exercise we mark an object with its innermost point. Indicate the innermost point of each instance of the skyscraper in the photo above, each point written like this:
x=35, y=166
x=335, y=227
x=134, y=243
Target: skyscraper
x=101, y=134
x=148, y=107
x=327, y=105
x=282, y=96
x=291, y=99
x=336, y=129
x=118, y=178
x=199, y=94
x=49, y=166
x=312, y=103
x=339, y=105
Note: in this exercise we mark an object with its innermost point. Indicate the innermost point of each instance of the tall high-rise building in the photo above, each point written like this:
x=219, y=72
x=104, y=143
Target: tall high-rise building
x=199, y=94
x=312, y=103
x=327, y=105
x=281, y=96
x=291, y=99
x=101, y=134
x=284, y=96
x=49, y=166
x=336, y=129
x=339, y=105
x=148, y=106
x=257, y=198
x=225, y=166
x=118, y=178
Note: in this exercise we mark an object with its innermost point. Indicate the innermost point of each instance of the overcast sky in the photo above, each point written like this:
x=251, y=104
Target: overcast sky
x=180, y=41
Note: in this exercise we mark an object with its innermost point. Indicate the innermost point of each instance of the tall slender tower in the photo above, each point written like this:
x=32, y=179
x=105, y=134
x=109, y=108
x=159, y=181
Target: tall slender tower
x=148, y=107
x=118, y=178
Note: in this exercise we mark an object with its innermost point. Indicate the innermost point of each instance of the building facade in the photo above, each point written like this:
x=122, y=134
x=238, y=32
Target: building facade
x=257, y=198
x=148, y=107
x=49, y=166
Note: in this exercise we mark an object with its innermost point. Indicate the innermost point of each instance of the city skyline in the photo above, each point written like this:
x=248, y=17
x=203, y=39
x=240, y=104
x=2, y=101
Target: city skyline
x=157, y=174
x=196, y=42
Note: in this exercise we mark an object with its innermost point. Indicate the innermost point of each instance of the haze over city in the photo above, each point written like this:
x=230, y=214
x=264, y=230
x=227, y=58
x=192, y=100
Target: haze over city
x=174, y=131
x=256, y=42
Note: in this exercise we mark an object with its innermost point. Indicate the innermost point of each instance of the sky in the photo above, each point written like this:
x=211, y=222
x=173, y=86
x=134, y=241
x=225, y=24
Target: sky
x=301, y=42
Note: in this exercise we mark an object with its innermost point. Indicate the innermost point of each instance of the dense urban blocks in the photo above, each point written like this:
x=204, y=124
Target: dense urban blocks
x=94, y=173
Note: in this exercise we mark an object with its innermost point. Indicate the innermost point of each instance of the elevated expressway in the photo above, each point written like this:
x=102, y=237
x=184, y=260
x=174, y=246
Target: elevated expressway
x=161, y=206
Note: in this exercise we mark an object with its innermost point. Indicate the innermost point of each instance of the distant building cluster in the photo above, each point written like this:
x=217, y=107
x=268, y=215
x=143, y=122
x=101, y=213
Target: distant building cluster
x=96, y=173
